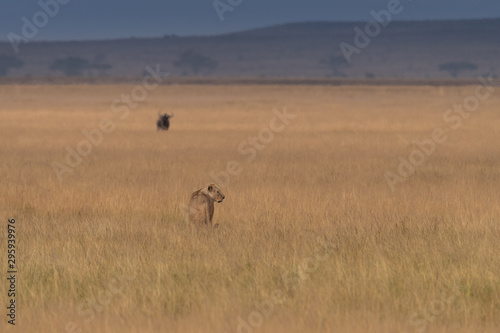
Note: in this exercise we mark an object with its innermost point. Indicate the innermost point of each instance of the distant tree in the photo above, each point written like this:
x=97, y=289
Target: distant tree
x=99, y=64
x=70, y=66
x=75, y=66
x=7, y=63
x=101, y=68
x=99, y=58
x=335, y=62
x=455, y=67
x=195, y=61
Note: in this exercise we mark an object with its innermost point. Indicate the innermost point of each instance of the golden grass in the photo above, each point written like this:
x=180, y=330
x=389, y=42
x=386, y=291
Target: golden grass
x=314, y=204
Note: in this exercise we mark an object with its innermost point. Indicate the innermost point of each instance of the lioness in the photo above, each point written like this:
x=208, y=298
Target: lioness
x=201, y=204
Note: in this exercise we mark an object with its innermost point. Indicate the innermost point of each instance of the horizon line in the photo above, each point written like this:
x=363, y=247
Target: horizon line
x=108, y=39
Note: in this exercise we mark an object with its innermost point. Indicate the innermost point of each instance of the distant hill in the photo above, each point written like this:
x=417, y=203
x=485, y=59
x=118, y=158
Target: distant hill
x=430, y=49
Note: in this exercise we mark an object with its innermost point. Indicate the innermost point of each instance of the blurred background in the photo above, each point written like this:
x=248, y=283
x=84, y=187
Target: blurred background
x=424, y=39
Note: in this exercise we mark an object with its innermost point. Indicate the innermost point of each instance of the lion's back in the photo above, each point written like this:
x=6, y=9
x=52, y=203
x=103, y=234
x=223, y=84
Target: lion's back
x=198, y=207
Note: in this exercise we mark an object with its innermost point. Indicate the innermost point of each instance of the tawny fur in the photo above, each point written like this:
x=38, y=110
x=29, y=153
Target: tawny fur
x=201, y=205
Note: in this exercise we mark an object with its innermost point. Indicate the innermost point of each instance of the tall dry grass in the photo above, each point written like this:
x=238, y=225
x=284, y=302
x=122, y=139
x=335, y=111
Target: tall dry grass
x=108, y=249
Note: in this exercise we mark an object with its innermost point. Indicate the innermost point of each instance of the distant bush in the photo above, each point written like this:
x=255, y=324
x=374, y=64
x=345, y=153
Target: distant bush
x=335, y=62
x=455, y=67
x=369, y=75
x=75, y=66
x=7, y=63
x=100, y=68
x=99, y=64
x=195, y=62
x=70, y=66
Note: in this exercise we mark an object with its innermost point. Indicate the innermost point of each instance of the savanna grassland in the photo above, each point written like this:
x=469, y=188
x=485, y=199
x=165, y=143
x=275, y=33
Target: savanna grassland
x=311, y=238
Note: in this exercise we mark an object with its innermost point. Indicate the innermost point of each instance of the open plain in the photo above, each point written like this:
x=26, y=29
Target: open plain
x=312, y=237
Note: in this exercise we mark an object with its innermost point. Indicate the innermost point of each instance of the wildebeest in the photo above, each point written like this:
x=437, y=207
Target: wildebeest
x=163, y=122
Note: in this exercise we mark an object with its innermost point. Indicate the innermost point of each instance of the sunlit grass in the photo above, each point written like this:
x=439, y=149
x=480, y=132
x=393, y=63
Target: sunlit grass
x=107, y=249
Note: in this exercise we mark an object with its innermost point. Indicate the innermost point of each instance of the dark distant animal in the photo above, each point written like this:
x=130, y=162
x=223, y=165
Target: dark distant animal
x=163, y=122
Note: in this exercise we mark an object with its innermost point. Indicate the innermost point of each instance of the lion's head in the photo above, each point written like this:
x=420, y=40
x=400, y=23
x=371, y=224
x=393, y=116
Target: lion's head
x=215, y=193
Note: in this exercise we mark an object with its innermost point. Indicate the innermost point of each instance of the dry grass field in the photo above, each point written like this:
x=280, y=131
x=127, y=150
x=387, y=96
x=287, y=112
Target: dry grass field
x=311, y=236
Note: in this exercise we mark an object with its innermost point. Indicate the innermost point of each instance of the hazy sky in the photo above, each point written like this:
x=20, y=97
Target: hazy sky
x=97, y=19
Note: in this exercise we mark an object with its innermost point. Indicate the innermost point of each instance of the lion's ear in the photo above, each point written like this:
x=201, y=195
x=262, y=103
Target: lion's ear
x=210, y=188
